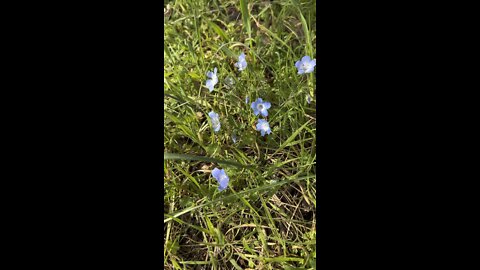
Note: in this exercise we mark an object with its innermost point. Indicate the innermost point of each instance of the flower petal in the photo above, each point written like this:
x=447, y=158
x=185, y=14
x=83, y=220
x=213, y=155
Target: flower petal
x=306, y=58
x=310, y=69
x=224, y=181
x=209, y=83
x=222, y=178
x=264, y=112
x=213, y=116
x=267, y=105
x=216, y=173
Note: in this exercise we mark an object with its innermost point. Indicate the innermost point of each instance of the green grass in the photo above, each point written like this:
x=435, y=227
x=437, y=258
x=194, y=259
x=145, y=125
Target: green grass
x=265, y=219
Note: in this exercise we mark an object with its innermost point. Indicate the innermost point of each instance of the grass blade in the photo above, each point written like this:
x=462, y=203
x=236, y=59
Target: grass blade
x=245, y=17
x=246, y=22
x=173, y=156
x=292, y=137
x=308, y=40
x=217, y=30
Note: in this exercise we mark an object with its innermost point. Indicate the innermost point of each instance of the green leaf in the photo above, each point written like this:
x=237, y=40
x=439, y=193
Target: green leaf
x=195, y=75
x=232, y=261
x=229, y=52
x=218, y=30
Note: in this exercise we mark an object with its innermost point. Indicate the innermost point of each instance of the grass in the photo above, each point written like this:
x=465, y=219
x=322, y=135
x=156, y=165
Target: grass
x=265, y=219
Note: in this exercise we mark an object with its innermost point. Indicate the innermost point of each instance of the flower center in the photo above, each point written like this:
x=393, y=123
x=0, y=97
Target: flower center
x=260, y=107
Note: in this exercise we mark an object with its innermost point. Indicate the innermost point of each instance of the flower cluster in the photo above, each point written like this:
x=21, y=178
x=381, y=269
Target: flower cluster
x=259, y=107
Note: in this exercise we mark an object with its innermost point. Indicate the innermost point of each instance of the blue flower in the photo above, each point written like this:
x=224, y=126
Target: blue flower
x=263, y=127
x=309, y=99
x=247, y=99
x=215, y=121
x=221, y=178
x=260, y=107
x=213, y=79
x=234, y=138
x=241, y=64
x=305, y=65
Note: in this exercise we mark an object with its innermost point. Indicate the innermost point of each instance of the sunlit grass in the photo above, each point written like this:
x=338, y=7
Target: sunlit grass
x=265, y=219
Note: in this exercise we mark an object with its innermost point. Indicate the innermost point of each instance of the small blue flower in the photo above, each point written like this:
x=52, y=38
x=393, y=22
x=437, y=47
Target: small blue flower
x=221, y=178
x=260, y=107
x=215, y=121
x=242, y=63
x=305, y=65
x=247, y=100
x=263, y=127
x=309, y=99
x=234, y=138
x=213, y=79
